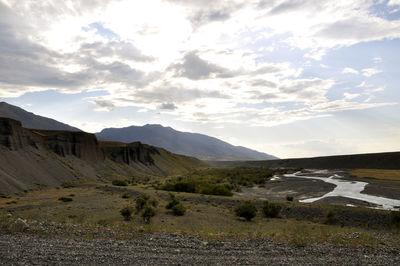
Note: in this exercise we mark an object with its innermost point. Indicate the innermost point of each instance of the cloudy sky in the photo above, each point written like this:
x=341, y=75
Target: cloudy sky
x=291, y=78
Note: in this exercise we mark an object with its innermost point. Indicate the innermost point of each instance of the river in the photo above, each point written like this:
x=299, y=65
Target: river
x=348, y=189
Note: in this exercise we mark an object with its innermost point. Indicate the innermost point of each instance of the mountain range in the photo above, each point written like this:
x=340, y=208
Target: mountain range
x=190, y=144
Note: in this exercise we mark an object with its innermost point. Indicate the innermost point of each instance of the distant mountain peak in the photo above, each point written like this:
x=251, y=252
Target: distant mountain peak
x=191, y=144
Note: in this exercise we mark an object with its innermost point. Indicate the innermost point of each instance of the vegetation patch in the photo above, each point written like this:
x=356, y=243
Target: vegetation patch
x=118, y=182
x=176, y=206
x=246, y=210
x=377, y=174
x=331, y=218
x=271, y=210
x=65, y=199
x=220, y=181
x=126, y=212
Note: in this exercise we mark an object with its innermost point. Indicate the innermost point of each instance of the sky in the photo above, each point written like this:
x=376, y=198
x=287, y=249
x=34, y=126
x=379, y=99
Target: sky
x=292, y=78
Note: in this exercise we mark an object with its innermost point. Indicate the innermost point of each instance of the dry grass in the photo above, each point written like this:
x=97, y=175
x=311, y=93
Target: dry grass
x=92, y=208
x=393, y=175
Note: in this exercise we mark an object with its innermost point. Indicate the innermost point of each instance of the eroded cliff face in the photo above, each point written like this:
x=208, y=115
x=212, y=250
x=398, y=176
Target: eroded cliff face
x=31, y=158
x=80, y=144
x=131, y=153
x=13, y=135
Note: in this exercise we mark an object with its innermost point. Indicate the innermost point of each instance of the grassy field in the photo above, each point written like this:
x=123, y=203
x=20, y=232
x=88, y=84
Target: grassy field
x=393, y=175
x=96, y=207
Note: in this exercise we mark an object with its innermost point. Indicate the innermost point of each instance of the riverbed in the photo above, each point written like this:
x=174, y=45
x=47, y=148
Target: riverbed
x=346, y=189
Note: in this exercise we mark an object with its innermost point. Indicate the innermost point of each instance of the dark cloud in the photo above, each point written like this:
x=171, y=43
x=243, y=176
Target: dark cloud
x=168, y=106
x=202, y=12
x=293, y=5
x=195, y=68
x=104, y=104
x=122, y=49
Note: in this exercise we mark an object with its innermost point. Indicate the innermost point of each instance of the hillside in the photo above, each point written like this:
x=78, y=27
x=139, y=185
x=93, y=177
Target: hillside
x=31, y=158
x=191, y=144
x=30, y=120
x=387, y=160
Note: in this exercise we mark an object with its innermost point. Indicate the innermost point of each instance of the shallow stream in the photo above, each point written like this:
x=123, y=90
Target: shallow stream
x=348, y=189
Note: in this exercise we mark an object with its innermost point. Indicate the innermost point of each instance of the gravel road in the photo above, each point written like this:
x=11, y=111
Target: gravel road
x=161, y=249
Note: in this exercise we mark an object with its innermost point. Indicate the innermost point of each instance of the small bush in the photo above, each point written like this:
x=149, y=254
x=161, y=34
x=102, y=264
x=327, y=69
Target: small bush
x=65, y=199
x=246, y=210
x=141, y=202
x=148, y=213
x=120, y=183
x=271, y=210
x=395, y=219
x=178, y=209
x=153, y=203
x=125, y=196
x=331, y=218
x=172, y=202
x=127, y=213
x=289, y=198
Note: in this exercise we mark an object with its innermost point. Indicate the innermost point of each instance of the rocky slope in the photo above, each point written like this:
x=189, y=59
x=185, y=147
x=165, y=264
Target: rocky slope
x=191, y=144
x=35, y=158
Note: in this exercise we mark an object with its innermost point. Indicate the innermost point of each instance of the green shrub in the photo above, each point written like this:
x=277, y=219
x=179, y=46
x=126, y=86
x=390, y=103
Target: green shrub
x=271, y=210
x=5, y=221
x=246, y=210
x=178, y=209
x=118, y=182
x=148, y=213
x=331, y=218
x=172, y=202
x=127, y=213
x=289, y=198
x=65, y=199
x=141, y=202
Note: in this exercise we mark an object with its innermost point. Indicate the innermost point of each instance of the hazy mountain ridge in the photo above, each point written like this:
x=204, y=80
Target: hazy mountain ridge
x=190, y=144
x=31, y=120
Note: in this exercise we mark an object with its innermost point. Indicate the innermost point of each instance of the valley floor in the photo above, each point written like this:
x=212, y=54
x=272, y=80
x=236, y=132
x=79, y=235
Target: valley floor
x=158, y=249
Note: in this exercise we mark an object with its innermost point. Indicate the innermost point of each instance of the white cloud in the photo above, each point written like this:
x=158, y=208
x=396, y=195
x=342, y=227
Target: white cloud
x=377, y=60
x=349, y=70
x=368, y=72
x=350, y=96
x=199, y=60
x=394, y=3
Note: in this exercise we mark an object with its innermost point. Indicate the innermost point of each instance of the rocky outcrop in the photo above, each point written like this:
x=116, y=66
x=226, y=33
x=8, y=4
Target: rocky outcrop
x=31, y=158
x=13, y=135
x=135, y=152
x=80, y=144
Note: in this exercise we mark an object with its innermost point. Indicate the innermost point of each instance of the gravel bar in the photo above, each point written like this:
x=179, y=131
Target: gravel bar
x=167, y=249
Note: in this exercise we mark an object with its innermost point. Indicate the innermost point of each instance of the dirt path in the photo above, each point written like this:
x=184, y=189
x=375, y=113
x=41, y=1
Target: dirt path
x=156, y=249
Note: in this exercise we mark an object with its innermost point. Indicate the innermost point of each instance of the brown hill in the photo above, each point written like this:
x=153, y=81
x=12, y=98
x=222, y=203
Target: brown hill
x=30, y=158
